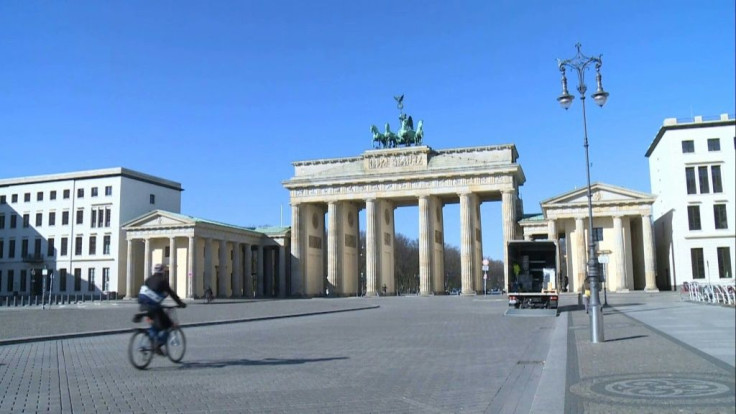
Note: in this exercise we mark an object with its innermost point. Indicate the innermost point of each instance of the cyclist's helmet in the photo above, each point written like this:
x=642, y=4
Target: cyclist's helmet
x=159, y=268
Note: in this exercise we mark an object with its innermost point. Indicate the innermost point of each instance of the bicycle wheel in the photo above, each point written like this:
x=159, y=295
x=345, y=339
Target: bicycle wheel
x=176, y=344
x=140, y=349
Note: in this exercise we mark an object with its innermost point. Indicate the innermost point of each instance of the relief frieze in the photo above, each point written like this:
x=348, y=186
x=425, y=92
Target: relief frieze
x=437, y=183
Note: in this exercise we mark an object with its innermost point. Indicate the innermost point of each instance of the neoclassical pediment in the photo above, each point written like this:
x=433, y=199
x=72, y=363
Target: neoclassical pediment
x=602, y=194
x=159, y=218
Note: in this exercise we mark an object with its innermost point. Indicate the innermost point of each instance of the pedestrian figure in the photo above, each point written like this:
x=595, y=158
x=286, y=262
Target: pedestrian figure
x=586, y=295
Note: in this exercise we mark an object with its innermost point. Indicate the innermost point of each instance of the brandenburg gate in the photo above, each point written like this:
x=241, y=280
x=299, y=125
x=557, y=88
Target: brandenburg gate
x=327, y=195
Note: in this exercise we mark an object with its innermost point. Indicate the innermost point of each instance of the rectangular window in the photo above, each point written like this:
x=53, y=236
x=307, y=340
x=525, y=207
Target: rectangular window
x=715, y=175
x=23, y=281
x=108, y=190
x=14, y=198
x=78, y=246
x=152, y=199
x=91, y=279
x=714, y=144
x=2, y=248
x=597, y=234
x=26, y=220
x=52, y=218
x=80, y=216
x=107, y=216
x=24, y=248
x=94, y=191
x=77, y=280
x=11, y=249
x=719, y=214
x=11, y=276
x=703, y=178
x=39, y=196
x=37, y=247
x=52, y=195
x=26, y=197
x=64, y=218
x=80, y=192
x=39, y=219
x=724, y=263
x=105, y=279
x=690, y=179
x=64, y=246
x=93, y=221
x=3, y=200
x=693, y=217
x=2, y=221
x=92, y=245
x=66, y=194
x=50, y=251
x=106, y=245
x=62, y=280
x=688, y=146
x=696, y=258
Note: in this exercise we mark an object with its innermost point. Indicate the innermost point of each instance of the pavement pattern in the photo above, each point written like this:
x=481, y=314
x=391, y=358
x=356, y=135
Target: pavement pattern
x=378, y=355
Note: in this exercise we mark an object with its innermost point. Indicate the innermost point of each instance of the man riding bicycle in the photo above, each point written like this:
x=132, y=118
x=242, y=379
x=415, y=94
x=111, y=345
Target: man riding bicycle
x=152, y=294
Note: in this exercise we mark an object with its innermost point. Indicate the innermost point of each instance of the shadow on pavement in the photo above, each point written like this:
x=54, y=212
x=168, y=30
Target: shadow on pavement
x=248, y=362
x=626, y=338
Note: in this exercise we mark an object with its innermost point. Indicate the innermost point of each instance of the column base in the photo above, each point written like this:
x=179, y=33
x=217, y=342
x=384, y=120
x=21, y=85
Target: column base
x=623, y=291
x=651, y=290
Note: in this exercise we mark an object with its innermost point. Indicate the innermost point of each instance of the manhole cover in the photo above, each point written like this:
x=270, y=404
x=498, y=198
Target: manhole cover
x=659, y=388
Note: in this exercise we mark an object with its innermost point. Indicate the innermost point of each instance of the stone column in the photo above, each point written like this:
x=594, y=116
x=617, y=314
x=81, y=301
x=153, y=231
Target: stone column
x=552, y=236
x=237, y=270
x=425, y=247
x=508, y=213
x=191, y=266
x=466, y=244
x=333, y=254
x=172, y=263
x=296, y=253
x=282, y=271
x=147, y=267
x=130, y=274
x=648, y=239
x=222, y=269
x=208, y=265
x=248, y=259
x=579, y=256
x=620, y=257
x=260, y=291
x=371, y=253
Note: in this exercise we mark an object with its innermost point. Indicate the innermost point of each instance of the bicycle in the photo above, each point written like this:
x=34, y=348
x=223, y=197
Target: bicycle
x=208, y=296
x=143, y=343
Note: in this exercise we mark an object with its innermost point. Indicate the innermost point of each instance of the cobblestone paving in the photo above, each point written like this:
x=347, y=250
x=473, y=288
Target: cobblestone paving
x=639, y=369
x=411, y=355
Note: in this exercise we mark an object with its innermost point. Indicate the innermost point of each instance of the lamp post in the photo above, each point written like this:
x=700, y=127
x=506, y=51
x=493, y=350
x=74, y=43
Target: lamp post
x=579, y=63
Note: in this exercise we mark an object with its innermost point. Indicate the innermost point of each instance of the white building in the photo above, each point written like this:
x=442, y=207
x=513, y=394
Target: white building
x=691, y=167
x=71, y=225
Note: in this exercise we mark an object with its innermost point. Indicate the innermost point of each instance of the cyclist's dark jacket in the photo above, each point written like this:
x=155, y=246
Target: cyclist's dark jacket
x=152, y=293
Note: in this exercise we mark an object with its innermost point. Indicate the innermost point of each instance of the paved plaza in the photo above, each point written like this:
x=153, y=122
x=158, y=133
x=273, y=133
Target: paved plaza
x=378, y=355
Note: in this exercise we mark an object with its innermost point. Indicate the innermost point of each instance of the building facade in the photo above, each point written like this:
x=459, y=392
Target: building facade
x=233, y=261
x=691, y=169
x=622, y=233
x=327, y=195
x=69, y=227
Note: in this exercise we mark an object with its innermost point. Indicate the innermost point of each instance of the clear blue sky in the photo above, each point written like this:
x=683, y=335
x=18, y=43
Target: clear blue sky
x=223, y=96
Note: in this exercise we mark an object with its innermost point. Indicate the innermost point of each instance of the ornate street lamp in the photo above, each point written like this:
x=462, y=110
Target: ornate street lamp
x=580, y=63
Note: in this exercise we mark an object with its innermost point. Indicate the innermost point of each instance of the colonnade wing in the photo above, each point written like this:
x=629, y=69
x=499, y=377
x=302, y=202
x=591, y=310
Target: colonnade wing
x=200, y=254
